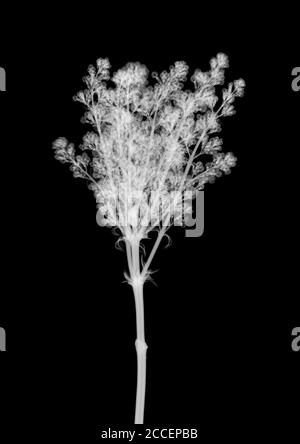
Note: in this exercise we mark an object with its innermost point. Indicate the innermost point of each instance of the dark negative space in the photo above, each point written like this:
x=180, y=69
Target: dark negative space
x=218, y=322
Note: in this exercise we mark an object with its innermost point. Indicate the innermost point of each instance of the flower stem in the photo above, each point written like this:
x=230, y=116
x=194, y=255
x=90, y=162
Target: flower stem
x=140, y=344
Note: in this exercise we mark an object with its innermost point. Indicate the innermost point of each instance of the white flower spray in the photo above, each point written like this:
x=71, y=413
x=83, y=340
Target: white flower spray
x=149, y=145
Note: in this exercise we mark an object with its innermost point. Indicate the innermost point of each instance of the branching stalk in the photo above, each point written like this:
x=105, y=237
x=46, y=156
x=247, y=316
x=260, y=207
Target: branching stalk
x=143, y=155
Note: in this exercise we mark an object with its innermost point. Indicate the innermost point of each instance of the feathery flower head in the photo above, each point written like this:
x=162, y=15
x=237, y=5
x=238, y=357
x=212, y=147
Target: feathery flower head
x=146, y=145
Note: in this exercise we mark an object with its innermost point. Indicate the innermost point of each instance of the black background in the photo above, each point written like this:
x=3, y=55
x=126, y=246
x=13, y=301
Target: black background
x=219, y=321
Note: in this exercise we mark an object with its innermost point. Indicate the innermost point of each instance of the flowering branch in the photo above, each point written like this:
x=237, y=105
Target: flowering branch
x=149, y=145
